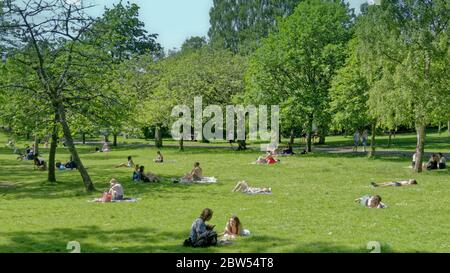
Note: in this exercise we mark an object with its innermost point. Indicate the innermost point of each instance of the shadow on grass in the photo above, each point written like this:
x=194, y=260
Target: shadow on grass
x=150, y=240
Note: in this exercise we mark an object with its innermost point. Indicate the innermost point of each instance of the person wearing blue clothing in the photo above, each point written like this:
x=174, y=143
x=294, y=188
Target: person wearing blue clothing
x=136, y=174
x=201, y=234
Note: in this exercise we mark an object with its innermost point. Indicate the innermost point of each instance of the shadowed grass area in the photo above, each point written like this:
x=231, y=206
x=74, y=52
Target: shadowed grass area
x=311, y=208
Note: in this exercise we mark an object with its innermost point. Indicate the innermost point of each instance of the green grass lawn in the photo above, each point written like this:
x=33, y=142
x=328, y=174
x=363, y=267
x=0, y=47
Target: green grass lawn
x=311, y=209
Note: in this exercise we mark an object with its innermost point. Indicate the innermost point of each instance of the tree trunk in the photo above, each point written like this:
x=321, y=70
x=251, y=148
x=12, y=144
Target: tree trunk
x=106, y=138
x=52, y=155
x=448, y=126
x=36, y=145
x=83, y=136
x=181, y=144
x=28, y=136
x=309, y=140
x=420, y=147
x=73, y=151
x=372, y=141
x=115, y=140
x=292, y=138
x=322, y=135
x=390, y=139
x=440, y=128
x=158, y=137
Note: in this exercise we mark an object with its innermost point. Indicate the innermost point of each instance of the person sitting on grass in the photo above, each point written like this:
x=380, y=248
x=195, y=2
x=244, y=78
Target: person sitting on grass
x=39, y=163
x=159, y=157
x=196, y=174
x=288, y=150
x=115, y=190
x=129, y=164
x=106, y=148
x=201, y=234
x=243, y=186
x=147, y=177
x=136, y=174
x=396, y=184
x=442, y=162
x=371, y=202
x=234, y=228
x=432, y=163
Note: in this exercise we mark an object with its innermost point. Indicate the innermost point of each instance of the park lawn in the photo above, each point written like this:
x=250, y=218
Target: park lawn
x=311, y=209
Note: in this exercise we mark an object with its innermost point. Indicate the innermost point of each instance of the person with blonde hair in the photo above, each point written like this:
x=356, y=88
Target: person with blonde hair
x=116, y=190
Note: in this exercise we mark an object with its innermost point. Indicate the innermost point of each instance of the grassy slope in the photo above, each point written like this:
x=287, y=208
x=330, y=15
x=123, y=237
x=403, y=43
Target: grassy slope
x=311, y=210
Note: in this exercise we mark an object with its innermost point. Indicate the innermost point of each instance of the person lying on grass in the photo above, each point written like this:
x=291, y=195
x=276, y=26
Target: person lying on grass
x=196, y=174
x=147, y=177
x=115, y=190
x=159, y=158
x=244, y=187
x=269, y=159
x=201, y=234
x=371, y=202
x=129, y=164
x=395, y=184
x=289, y=150
x=70, y=165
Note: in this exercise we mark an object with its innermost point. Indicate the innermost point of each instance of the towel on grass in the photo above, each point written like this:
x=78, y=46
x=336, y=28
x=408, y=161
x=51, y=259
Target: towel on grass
x=205, y=180
x=125, y=200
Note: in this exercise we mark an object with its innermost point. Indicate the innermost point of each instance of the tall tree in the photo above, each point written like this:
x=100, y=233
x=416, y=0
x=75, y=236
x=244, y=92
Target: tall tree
x=298, y=63
x=410, y=41
x=240, y=25
x=52, y=31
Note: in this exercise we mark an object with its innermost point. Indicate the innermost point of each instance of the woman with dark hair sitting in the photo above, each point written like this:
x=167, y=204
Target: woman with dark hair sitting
x=201, y=234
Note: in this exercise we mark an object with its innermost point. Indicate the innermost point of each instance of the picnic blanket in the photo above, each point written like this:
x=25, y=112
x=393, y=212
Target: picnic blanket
x=205, y=180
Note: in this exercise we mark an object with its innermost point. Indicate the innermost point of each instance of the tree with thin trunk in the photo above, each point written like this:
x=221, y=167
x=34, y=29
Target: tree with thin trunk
x=407, y=47
x=53, y=31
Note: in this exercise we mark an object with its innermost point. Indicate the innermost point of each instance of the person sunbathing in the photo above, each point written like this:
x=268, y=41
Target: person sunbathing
x=129, y=164
x=234, y=228
x=116, y=190
x=159, y=158
x=269, y=159
x=147, y=177
x=196, y=174
x=371, y=202
x=395, y=184
x=244, y=187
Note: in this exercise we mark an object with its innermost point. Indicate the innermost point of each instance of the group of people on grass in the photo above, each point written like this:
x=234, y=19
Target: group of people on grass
x=357, y=138
x=436, y=161
x=375, y=201
x=203, y=235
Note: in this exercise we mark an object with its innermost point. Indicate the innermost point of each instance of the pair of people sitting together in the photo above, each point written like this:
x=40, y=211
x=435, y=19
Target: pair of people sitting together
x=70, y=165
x=139, y=175
x=203, y=235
